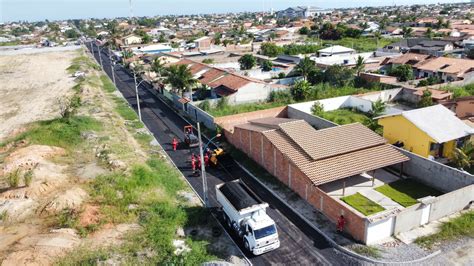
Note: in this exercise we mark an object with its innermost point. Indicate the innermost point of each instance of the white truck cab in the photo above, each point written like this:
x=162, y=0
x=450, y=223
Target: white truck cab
x=245, y=214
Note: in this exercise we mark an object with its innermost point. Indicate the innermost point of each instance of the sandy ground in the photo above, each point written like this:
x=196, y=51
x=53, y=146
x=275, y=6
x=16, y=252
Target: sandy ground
x=30, y=85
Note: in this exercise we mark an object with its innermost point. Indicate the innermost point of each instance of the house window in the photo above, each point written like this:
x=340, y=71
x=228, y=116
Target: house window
x=434, y=146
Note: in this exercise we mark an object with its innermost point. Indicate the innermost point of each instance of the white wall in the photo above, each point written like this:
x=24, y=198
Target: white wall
x=329, y=104
x=379, y=230
x=385, y=95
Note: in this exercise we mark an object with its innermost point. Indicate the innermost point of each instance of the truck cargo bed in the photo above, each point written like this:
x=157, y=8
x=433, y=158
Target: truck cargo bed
x=239, y=196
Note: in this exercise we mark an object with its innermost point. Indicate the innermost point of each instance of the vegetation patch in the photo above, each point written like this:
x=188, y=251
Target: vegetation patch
x=369, y=251
x=61, y=132
x=406, y=191
x=344, y=116
x=462, y=226
x=124, y=110
x=107, y=84
x=153, y=190
x=82, y=63
x=362, y=204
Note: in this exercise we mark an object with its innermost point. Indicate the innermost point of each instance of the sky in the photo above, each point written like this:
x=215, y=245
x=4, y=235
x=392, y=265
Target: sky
x=35, y=10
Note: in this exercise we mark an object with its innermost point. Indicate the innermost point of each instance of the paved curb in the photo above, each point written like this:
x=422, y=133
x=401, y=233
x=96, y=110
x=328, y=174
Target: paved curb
x=330, y=240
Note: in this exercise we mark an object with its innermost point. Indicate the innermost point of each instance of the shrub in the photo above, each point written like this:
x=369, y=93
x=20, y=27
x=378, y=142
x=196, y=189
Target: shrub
x=208, y=61
x=28, y=177
x=205, y=105
x=13, y=178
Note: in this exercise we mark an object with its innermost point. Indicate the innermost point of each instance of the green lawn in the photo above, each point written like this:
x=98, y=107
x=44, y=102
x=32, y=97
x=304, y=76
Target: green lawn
x=406, y=191
x=462, y=226
x=242, y=108
x=363, y=44
x=362, y=204
x=344, y=116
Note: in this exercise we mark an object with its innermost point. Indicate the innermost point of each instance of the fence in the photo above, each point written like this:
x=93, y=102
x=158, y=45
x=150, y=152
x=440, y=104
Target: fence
x=198, y=115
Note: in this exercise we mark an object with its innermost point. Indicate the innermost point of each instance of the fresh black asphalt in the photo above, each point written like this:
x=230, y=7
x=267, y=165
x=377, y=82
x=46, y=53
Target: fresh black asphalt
x=300, y=244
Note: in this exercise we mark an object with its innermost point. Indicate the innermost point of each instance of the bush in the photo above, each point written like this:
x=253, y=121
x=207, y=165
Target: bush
x=208, y=61
x=247, y=62
x=402, y=72
x=13, y=178
x=65, y=133
x=205, y=105
x=281, y=97
x=28, y=177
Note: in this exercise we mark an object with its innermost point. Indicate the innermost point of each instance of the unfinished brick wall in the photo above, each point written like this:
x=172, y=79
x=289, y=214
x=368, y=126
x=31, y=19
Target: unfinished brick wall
x=263, y=152
x=228, y=122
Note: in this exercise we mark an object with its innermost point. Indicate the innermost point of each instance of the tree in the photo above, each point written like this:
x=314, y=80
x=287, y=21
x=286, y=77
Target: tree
x=304, y=31
x=378, y=107
x=127, y=54
x=377, y=36
x=317, y=109
x=300, y=90
x=360, y=65
x=247, y=62
x=407, y=32
x=217, y=38
x=463, y=157
x=402, y=72
x=273, y=36
x=267, y=65
x=270, y=49
x=426, y=99
x=158, y=67
x=429, y=33
x=338, y=75
x=71, y=34
x=304, y=67
x=180, y=78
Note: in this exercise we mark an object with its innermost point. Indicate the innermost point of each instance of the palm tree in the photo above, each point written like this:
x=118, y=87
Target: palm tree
x=180, y=78
x=158, y=67
x=377, y=36
x=359, y=66
x=464, y=157
x=407, y=32
x=429, y=33
x=305, y=66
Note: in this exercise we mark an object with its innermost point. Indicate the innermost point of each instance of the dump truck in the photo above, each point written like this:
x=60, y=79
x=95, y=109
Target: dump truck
x=244, y=213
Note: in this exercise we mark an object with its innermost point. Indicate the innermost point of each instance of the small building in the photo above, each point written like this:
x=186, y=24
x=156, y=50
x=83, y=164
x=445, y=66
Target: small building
x=335, y=50
x=446, y=68
x=203, y=43
x=131, y=39
x=302, y=12
x=463, y=107
x=429, y=132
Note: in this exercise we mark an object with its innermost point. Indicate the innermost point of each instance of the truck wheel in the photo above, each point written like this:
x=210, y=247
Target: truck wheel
x=246, y=244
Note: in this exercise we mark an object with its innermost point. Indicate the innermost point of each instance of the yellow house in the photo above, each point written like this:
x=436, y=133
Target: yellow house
x=131, y=39
x=433, y=130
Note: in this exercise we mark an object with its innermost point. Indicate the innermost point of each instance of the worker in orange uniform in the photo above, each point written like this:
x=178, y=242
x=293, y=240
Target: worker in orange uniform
x=199, y=162
x=193, y=163
x=206, y=160
x=175, y=144
x=340, y=224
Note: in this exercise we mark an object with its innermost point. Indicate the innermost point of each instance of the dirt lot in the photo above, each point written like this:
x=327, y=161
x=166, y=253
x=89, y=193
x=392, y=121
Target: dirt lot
x=30, y=85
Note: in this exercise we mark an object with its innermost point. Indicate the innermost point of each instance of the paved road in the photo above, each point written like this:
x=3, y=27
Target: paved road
x=300, y=244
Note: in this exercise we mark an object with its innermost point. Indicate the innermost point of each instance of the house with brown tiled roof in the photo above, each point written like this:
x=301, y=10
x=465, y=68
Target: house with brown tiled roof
x=306, y=160
x=237, y=88
x=445, y=68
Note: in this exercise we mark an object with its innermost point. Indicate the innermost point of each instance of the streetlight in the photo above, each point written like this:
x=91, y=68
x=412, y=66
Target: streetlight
x=136, y=92
x=203, y=168
x=112, y=64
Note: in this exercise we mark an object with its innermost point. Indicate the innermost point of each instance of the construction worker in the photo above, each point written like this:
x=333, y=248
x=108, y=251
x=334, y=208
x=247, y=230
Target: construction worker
x=199, y=162
x=206, y=160
x=175, y=143
x=193, y=163
x=340, y=224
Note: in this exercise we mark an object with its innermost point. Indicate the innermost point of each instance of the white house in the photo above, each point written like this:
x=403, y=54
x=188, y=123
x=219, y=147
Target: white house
x=335, y=50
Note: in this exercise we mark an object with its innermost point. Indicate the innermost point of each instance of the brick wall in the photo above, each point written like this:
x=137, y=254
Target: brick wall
x=228, y=122
x=253, y=143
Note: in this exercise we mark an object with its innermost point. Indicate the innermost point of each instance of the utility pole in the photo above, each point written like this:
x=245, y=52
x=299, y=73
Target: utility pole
x=92, y=49
x=203, y=168
x=112, y=64
x=138, y=99
x=131, y=9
